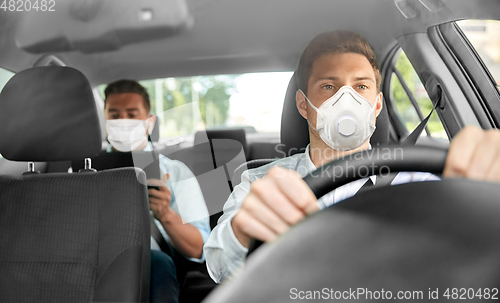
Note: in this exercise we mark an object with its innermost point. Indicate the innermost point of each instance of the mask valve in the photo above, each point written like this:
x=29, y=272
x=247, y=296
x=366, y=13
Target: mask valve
x=346, y=125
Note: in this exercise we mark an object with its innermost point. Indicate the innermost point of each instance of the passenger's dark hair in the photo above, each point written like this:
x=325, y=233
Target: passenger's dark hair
x=127, y=86
x=334, y=42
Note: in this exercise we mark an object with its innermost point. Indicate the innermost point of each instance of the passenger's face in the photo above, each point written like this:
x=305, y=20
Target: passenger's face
x=125, y=106
x=332, y=71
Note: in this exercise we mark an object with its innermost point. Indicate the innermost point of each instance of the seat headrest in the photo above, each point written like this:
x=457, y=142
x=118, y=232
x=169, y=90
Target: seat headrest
x=155, y=133
x=295, y=130
x=48, y=113
x=236, y=134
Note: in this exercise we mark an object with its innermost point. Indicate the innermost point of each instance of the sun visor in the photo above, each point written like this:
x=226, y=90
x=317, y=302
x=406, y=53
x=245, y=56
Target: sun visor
x=96, y=26
x=48, y=113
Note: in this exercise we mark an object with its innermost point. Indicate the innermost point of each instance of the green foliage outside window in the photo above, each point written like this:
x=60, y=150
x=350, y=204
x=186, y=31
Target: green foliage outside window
x=402, y=103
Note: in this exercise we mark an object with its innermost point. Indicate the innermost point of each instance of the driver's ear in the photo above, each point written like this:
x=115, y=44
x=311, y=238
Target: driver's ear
x=300, y=101
x=379, y=104
x=150, y=122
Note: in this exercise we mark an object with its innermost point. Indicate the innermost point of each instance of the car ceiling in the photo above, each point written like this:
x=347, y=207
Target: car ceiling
x=235, y=36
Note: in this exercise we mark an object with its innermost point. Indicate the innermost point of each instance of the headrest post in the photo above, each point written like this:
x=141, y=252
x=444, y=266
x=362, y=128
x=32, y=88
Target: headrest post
x=87, y=166
x=31, y=169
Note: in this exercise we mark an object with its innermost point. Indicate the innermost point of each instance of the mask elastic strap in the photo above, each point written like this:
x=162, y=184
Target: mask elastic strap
x=312, y=126
x=314, y=107
x=310, y=103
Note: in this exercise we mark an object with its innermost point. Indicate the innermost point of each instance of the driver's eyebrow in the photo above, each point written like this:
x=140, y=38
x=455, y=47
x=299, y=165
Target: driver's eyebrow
x=364, y=79
x=326, y=78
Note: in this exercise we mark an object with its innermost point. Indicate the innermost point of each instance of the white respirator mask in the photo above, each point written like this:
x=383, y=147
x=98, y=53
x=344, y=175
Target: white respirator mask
x=346, y=120
x=126, y=134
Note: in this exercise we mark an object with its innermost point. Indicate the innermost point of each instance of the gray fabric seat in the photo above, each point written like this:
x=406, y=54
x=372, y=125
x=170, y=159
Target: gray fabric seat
x=66, y=237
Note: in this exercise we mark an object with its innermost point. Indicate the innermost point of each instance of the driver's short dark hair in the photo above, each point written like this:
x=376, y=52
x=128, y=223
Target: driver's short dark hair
x=127, y=86
x=334, y=42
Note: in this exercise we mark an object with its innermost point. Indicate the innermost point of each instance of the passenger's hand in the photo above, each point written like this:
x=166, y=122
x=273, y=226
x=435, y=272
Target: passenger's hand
x=159, y=200
x=275, y=203
x=474, y=153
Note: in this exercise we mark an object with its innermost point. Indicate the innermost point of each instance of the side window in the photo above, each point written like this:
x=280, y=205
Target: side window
x=410, y=100
x=484, y=35
x=5, y=75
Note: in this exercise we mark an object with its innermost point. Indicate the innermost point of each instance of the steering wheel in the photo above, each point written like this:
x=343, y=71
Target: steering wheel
x=426, y=237
x=377, y=161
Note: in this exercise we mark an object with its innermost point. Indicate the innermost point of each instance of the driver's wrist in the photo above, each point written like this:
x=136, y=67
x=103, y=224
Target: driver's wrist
x=240, y=235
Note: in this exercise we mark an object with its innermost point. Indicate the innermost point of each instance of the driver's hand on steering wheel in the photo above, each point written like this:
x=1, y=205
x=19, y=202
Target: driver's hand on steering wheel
x=282, y=198
x=275, y=203
x=474, y=153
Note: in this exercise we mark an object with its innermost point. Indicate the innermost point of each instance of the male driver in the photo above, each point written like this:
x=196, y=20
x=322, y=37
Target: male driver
x=128, y=125
x=338, y=81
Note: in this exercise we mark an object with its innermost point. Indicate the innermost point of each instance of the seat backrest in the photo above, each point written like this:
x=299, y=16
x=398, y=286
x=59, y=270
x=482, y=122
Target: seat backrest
x=69, y=237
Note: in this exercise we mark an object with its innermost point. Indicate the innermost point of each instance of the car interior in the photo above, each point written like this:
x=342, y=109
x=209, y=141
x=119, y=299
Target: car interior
x=437, y=58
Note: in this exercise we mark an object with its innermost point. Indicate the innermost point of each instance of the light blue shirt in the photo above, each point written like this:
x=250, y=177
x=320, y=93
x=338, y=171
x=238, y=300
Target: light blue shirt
x=225, y=254
x=187, y=199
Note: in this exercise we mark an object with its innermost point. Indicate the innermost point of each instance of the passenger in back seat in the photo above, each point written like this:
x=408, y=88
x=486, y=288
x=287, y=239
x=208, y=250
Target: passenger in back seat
x=177, y=205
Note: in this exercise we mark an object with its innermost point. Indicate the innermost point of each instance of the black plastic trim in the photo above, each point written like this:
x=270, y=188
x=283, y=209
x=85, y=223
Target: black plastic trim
x=456, y=69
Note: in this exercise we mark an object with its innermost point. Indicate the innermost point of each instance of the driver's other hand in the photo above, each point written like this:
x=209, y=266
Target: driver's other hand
x=474, y=153
x=276, y=202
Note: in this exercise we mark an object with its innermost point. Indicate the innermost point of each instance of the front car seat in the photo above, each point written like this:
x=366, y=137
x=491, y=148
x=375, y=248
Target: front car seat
x=66, y=237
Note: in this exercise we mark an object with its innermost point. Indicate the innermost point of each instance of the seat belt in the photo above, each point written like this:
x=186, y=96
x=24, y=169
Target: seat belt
x=413, y=137
x=158, y=237
x=155, y=232
x=409, y=141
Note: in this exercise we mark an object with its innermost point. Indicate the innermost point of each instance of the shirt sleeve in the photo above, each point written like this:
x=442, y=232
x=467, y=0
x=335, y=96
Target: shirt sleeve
x=225, y=255
x=187, y=198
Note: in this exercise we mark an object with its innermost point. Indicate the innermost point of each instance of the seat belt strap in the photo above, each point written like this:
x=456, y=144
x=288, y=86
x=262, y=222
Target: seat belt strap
x=413, y=137
x=410, y=140
x=158, y=237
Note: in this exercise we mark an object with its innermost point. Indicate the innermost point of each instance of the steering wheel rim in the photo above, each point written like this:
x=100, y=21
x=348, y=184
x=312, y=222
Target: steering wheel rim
x=377, y=161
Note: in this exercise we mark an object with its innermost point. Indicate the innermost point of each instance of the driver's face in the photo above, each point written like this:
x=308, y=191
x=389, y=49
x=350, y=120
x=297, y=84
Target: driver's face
x=332, y=71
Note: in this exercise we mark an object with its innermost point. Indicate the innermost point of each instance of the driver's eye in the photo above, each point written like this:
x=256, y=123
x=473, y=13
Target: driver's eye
x=329, y=87
x=362, y=86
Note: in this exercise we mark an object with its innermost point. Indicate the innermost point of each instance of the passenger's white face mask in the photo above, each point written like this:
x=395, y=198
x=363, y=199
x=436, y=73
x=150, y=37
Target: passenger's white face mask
x=126, y=134
x=346, y=120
